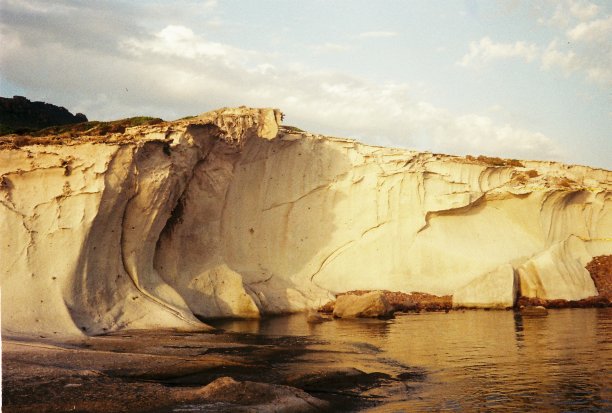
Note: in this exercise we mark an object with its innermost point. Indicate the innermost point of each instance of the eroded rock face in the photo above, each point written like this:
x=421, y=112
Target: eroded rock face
x=497, y=288
x=230, y=214
x=541, y=275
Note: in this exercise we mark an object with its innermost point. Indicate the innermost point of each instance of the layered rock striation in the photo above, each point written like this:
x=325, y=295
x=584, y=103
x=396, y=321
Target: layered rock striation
x=229, y=214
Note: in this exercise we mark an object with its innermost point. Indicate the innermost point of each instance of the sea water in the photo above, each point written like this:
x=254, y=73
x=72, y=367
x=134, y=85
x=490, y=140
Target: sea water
x=476, y=360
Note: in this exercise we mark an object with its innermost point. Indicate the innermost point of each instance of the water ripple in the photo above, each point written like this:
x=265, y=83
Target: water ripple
x=485, y=360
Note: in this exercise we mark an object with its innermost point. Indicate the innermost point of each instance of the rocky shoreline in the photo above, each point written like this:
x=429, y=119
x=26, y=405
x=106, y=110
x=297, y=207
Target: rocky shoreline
x=600, y=270
x=161, y=371
x=401, y=302
x=146, y=371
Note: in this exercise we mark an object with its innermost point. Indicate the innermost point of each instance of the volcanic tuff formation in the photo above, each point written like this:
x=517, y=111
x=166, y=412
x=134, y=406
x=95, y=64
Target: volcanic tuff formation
x=229, y=214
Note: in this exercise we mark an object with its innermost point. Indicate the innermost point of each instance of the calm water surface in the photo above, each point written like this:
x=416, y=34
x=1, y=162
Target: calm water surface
x=479, y=360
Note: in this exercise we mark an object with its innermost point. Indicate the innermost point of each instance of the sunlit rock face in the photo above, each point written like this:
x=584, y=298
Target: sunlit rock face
x=497, y=288
x=370, y=305
x=230, y=214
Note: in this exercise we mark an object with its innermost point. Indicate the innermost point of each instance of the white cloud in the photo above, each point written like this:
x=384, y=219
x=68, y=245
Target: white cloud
x=39, y=7
x=554, y=58
x=583, y=10
x=486, y=51
x=598, y=31
x=482, y=135
x=122, y=69
x=204, y=75
x=210, y=4
x=584, y=48
x=600, y=74
x=377, y=34
x=570, y=10
x=178, y=41
x=329, y=48
x=386, y=115
x=569, y=63
x=595, y=65
x=215, y=22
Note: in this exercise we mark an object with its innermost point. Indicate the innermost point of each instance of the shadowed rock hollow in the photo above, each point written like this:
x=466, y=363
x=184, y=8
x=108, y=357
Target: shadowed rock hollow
x=230, y=214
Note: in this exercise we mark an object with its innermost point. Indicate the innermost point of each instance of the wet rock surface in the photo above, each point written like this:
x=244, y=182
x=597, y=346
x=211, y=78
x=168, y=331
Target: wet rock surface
x=195, y=371
x=230, y=395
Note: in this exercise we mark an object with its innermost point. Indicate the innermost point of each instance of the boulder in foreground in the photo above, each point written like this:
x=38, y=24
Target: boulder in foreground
x=373, y=304
x=249, y=396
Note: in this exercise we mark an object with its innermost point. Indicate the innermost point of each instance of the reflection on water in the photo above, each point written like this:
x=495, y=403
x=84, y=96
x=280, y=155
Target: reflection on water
x=481, y=360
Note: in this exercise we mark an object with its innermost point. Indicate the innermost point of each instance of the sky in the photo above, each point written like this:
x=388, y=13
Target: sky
x=509, y=78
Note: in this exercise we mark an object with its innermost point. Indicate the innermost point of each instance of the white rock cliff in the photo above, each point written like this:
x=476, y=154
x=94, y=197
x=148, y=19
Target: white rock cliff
x=229, y=214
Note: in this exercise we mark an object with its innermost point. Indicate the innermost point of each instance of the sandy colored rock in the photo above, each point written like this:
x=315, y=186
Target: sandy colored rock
x=373, y=304
x=230, y=214
x=558, y=273
x=85, y=219
x=537, y=310
x=259, y=397
x=313, y=317
x=405, y=302
x=496, y=288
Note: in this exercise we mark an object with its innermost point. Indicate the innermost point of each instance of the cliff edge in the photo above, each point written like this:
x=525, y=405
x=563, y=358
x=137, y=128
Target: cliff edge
x=231, y=214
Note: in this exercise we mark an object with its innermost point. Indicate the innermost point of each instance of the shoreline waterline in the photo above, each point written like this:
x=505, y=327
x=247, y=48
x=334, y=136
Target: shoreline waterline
x=461, y=360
